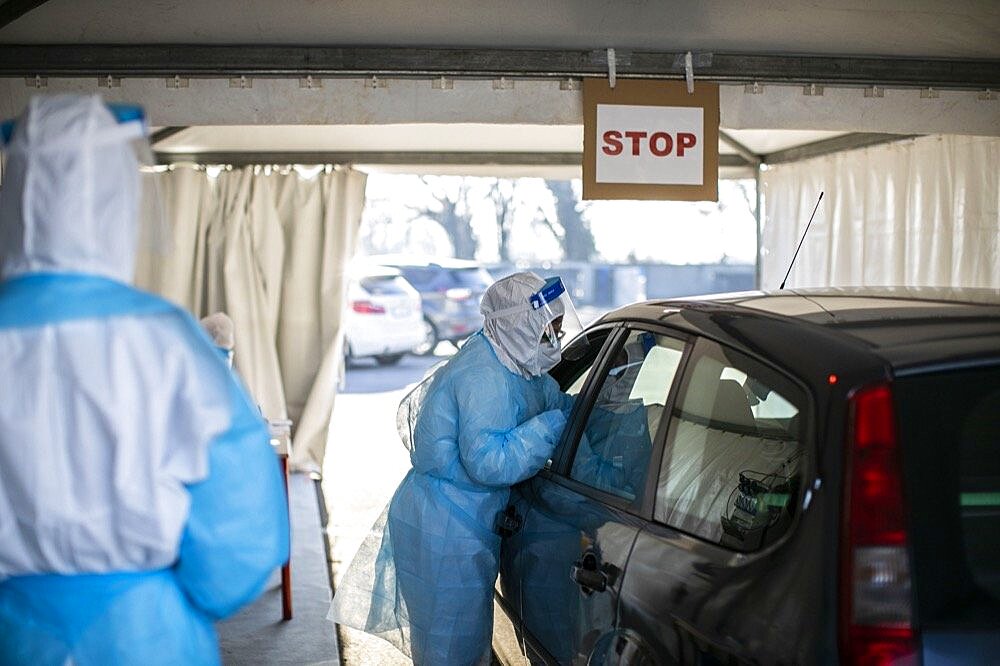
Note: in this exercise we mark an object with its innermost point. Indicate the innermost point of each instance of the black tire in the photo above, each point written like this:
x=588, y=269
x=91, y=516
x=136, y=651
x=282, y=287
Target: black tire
x=431, y=339
x=388, y=359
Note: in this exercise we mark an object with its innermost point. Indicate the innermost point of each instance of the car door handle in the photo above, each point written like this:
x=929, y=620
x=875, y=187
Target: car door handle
x=590, y=581
x=591, y=575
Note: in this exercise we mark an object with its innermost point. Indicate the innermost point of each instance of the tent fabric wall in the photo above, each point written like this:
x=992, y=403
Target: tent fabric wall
x=922, y=212
x=270, y=249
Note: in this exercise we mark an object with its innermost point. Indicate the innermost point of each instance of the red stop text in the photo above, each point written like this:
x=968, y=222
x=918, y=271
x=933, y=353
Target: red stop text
x=659, y=144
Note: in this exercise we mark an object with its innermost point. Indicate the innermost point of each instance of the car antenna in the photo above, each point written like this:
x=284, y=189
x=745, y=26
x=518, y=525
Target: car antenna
x=802, y=240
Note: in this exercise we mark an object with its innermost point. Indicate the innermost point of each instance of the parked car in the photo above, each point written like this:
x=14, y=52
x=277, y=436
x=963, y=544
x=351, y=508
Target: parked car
x=384, y=318
x=769, y=478
x=451, y=290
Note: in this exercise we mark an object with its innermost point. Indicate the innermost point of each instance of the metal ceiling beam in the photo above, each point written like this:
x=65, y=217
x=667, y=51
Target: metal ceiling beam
x=12, y=10
x=165, y=133
x=751, y=157
x=294, y=61
x=464, y=158
x=240, y=158
x=834, y=145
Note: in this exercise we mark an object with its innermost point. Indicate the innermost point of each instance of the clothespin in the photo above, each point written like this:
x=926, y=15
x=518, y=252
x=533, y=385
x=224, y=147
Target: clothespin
x=612, y=67
x=689, y=71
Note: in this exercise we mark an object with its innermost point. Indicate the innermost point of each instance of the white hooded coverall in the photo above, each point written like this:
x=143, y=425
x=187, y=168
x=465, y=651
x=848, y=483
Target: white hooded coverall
x=139, y=497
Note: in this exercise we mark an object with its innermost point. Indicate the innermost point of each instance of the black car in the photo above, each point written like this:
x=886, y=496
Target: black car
x=451, y=290
x=769, y=478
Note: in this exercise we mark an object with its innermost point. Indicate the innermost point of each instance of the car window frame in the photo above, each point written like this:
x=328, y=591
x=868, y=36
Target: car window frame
x=641, y=506
x=809, y=440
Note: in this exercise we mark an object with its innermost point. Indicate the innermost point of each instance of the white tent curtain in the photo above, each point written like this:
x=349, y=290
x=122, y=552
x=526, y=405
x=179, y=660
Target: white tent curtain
x=270, y=249
x=922, y=212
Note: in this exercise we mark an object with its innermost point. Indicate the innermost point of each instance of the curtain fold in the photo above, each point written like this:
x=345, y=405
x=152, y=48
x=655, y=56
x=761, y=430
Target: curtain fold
x=924, y=212
x=270, y=249
x=314, y=422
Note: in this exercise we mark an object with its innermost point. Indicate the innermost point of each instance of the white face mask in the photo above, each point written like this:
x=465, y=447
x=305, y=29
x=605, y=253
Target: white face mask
x=548, y=356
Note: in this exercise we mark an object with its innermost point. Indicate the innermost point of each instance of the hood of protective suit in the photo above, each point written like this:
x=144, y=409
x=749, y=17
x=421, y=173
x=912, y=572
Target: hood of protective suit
x=515, y=329
x=70, y=197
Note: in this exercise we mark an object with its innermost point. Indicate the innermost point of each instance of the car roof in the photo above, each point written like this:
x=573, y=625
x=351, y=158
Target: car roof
x=417, y=261
x=361, y=270
x=906, y=326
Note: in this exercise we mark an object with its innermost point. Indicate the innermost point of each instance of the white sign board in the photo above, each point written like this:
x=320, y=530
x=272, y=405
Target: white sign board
x=652, y=145
x=649, y=139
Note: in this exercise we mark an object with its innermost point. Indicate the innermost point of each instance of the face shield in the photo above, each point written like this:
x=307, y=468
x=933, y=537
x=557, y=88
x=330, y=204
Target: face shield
x=144, y=190
x=562, y=321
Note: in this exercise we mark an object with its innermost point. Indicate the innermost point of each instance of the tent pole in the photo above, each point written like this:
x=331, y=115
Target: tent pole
x=757, y=217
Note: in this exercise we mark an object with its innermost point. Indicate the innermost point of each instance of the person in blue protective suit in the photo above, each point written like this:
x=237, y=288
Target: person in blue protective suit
x=140, y=500
x=486, y=420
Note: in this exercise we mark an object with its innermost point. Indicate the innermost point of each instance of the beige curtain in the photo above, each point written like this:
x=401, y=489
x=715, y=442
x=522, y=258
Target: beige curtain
x=912, y=213
x=270, y=249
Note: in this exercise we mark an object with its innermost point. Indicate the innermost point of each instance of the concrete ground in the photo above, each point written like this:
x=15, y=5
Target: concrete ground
x=365, y=461
x=257, y=635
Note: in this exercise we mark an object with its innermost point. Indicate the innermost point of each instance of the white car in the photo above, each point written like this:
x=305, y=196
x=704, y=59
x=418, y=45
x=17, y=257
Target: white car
x=384, y=315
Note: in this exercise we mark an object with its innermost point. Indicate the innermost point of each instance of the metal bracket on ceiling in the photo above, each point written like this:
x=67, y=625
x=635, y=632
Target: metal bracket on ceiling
x=612, y=67
x=503, y=83
x=875, y=91
x=570, y=84
x=176, y=82
x=242, y=82
x=754, y=88
x=375, y=82
x=813, y=90
x=929, y=93
x=36, y=81
x=109, y=81
x=987, y=96
x=443, y=83
x=310, y=83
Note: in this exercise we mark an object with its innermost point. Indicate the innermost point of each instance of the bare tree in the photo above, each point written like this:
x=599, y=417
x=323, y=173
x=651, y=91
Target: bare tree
x=574, y=231
x=449, y=207
x=502, y=196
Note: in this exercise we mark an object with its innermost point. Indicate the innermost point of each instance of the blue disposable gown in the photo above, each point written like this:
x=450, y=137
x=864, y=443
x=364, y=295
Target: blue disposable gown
x=191, y=534
x=480, y=429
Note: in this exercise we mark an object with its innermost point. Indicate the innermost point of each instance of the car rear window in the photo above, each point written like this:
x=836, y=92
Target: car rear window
x=384, y=285
x=476, y=279
x=418, y=277
x=950, y=434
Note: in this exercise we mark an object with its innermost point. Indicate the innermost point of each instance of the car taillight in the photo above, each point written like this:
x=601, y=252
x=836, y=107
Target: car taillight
x=367, y=307
x=875, y=597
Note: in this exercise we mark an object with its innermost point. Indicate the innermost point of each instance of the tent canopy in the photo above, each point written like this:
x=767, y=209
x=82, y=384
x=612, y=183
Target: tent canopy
x=473, y=87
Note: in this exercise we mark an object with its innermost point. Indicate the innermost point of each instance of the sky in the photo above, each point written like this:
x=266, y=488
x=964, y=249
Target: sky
x=624, y=231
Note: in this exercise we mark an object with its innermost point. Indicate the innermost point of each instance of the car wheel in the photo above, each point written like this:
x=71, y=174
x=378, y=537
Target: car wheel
x=388, y=359
x=430, y=343
x=348, y=356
